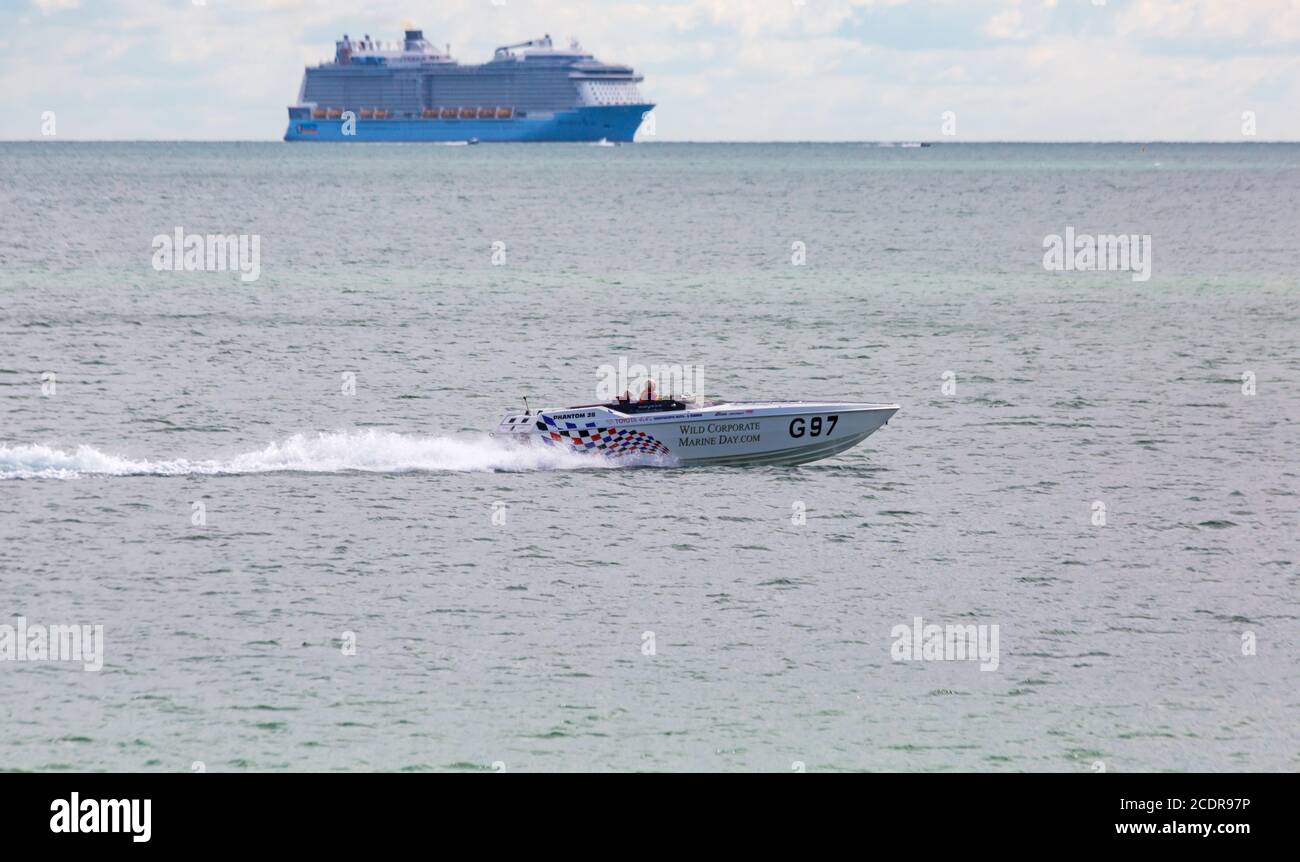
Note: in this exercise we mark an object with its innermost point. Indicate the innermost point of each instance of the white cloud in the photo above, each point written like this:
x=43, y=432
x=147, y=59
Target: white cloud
x=1007, y=25
x=1270, y=22
x=50, y=6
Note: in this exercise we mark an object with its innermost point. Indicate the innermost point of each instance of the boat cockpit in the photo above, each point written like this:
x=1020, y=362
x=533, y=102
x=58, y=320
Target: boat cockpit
x=636, y=408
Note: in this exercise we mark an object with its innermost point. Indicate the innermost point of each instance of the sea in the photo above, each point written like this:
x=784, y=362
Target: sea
x=277, y=501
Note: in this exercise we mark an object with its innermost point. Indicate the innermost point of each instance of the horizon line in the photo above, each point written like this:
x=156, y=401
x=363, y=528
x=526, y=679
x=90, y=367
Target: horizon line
x=54, y=139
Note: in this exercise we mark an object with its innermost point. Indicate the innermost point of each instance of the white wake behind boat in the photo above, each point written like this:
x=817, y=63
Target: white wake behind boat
x=703, y=433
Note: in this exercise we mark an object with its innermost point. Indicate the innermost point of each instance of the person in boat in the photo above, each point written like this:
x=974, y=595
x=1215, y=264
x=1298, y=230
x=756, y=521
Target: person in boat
x=648, y=402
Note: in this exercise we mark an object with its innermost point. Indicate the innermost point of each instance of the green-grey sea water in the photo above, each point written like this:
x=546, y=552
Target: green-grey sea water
x=649, y=618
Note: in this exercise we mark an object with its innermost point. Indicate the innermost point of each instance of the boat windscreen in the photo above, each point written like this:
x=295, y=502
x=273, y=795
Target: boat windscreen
x=636, y=408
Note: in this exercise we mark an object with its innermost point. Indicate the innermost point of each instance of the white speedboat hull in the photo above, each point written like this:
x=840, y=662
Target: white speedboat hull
x=773, y=432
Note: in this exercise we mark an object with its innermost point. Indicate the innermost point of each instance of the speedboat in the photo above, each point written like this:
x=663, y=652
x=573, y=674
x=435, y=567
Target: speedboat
x=699, y=433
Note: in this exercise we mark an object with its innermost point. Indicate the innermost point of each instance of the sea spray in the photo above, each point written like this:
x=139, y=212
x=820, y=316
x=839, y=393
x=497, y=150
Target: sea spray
x=365, y=450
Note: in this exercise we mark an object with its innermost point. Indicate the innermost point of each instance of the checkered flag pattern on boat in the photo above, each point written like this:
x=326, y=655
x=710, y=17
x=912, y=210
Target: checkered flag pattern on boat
x=613, y=442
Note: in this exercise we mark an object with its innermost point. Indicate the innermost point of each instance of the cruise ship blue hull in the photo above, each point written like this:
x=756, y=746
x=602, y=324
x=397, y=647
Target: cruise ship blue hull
x=610, y=122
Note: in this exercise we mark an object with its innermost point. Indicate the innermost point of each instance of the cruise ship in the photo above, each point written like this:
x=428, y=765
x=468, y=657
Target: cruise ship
x=412, y=91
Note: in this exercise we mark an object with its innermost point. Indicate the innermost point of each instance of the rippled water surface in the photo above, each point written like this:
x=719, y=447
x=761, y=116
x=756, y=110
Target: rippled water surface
x=525, y=642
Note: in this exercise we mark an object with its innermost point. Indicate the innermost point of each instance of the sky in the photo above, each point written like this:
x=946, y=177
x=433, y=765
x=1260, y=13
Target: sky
x=718, y=70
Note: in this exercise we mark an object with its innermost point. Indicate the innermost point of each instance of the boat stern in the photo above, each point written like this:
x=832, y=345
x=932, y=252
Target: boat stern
x=517, y=426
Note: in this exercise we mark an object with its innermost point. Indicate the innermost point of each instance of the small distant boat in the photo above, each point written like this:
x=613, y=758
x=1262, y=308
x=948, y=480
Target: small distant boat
x=603, y=142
